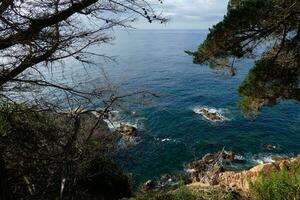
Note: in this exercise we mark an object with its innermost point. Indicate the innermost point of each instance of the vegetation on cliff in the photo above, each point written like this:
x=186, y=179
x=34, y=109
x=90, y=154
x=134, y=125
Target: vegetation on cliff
x=185, y=193
x=277, y=184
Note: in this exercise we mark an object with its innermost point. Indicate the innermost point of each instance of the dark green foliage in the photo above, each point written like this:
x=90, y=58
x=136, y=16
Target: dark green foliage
x=277, y=185
x=183, y=193
x=248, y=25
x=43, y=151
x=265, y=86
x=180, y=194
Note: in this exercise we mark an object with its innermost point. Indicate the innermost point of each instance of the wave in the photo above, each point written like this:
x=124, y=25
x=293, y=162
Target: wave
x=130, y=141
x=165, y=139
x=261, y=158
x=247, y=161
x=115, y=120
x=267, y=158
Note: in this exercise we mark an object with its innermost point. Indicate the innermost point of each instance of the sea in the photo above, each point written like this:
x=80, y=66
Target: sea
x=171, y=132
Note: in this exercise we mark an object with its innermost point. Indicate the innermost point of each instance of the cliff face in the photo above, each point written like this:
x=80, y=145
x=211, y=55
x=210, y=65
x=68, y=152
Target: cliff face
x=211, y=171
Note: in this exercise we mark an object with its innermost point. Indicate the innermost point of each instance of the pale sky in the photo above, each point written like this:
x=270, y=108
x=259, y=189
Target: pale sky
x=189, y=14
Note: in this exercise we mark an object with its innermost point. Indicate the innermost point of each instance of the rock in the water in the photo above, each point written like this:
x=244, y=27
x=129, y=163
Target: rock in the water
x=127, y=130
x=270, y=147
x=214, y=116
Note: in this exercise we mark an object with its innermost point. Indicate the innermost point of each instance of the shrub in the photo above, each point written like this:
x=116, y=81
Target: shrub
x=183, y=193
x=281, y=184
x=42, y=152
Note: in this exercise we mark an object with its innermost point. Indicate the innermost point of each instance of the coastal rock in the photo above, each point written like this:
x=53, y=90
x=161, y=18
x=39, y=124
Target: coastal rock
x=127, y=130
x=211, y=115
x=239, y=181
x=209, y=167
x=270, y=147
x=88, y=122
x=211, y=171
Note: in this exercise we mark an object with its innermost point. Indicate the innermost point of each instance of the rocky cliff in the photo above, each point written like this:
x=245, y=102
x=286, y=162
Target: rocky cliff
x=211, y=171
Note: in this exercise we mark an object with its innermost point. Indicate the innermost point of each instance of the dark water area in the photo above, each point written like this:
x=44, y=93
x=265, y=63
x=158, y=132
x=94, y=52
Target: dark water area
x=171, y=133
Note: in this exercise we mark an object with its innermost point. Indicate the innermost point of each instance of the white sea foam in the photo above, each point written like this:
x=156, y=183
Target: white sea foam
x=266, y=158
x=239, y=157
x=165, y=139
x=220, y=113
x=130, y=141
x=190, y=170
x=114, y=121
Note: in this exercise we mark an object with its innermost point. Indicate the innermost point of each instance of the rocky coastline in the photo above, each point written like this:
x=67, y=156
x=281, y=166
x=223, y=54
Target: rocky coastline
x=214, y=171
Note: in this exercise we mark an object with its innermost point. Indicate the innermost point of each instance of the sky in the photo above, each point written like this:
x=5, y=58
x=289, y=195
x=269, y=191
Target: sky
x=189, y=14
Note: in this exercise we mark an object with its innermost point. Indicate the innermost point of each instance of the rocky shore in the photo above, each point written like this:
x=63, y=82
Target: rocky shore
x=211, y=171
x=214, y=172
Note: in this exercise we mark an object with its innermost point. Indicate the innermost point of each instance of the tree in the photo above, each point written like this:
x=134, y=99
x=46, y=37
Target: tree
x=45, y=154
x=44, y=32
x=250, y=25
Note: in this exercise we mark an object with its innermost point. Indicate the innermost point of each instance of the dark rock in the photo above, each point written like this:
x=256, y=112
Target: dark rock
x=209, y=167
x=88, y=122
x=127, y=130
x=214, y=116
x=209, y=157
x=270, y=147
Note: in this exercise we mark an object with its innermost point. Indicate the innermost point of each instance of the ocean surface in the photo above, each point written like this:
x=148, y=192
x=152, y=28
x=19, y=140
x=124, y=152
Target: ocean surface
x=171, y=134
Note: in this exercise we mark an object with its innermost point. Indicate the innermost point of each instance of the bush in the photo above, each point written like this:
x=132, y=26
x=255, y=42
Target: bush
x=183, y=193
x=42, y=152
x=281, y=184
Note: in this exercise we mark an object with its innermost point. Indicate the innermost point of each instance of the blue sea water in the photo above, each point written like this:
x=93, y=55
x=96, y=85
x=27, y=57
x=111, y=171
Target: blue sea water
x=171, y=133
